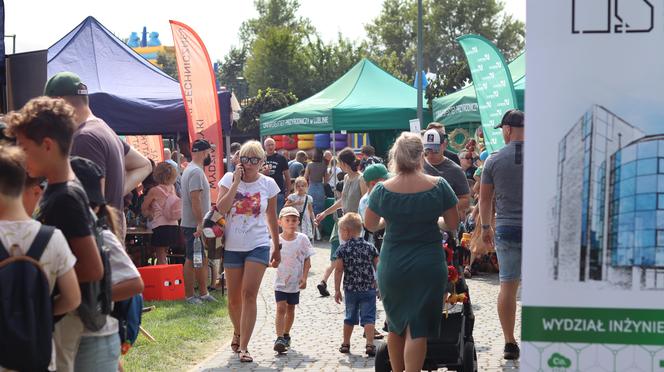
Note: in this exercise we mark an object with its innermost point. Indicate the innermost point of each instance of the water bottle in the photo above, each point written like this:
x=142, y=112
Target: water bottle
x=198, y=253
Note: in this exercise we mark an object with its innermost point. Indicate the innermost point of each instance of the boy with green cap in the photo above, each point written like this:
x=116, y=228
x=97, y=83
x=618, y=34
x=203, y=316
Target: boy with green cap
x=373, y=174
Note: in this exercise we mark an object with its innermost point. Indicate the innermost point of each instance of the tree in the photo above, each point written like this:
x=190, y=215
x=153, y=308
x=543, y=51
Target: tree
x=274, y=13
x=231, y=69
x=394, y=34
x=327, y=62
x=166, y=59
x=277, y=61
x=266, y=100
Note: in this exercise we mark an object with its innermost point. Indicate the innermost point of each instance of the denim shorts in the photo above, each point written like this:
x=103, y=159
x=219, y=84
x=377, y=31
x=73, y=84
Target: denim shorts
x=189, y=243
x=98, y=353
x=234, y=260
x=290, y=298
x=508, y=250
x=360, y=307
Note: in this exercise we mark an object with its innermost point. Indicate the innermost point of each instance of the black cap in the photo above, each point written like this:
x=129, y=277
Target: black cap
x=90, y=175
x=513, y=118
x=201, y=145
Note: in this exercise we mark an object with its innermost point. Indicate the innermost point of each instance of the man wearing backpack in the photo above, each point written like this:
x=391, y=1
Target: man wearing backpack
x=22, y=236
x=44, y=129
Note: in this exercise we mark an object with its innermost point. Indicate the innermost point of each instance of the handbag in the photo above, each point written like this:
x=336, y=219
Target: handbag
x=213, y=231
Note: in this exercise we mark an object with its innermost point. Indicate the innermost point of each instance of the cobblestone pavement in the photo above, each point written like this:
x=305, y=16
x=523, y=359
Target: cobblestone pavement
x=317, y=332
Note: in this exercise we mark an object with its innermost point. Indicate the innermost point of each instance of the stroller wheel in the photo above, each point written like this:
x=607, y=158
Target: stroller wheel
x=382, y=360
x=469, y=357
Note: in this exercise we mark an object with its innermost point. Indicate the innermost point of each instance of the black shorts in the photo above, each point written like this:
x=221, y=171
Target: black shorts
x=166, y=236
x=290, y=298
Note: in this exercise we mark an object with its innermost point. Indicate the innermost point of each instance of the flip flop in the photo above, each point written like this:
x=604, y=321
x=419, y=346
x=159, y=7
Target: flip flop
x=245, y=357
x=345, y=348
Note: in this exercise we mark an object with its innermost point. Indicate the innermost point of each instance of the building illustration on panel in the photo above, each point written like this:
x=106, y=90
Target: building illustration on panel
x=609, y=219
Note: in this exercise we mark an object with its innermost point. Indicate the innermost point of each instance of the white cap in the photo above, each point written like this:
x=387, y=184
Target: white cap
x=431, y=140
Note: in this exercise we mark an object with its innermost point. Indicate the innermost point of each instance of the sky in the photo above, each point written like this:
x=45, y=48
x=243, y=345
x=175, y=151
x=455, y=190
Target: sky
x=216, y=22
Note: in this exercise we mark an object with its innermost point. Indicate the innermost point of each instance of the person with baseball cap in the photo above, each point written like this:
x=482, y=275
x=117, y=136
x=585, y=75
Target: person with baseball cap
x=195, y=204
x=123, y=167
x=438, y=164
x=502, y=179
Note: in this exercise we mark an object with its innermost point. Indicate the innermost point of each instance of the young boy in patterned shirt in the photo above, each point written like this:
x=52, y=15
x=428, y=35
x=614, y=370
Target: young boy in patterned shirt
x=356, y=263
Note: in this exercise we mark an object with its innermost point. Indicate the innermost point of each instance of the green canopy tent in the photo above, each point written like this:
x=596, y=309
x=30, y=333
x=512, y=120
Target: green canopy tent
x=364, y=99
x=460, y=113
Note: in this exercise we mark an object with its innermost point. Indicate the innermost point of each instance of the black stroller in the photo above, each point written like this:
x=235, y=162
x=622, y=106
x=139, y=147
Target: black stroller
x=454, y=349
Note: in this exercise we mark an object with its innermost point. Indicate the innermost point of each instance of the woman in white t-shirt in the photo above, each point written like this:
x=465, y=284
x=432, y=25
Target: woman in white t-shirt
x=249, y=201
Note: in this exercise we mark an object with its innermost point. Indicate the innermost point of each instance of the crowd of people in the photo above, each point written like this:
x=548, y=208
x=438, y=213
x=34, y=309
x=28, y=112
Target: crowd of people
x=67, y=169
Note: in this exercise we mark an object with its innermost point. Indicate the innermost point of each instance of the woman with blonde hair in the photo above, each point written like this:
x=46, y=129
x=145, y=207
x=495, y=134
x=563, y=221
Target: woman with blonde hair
x=412, y=271
x=161, y=217
x=249, y=200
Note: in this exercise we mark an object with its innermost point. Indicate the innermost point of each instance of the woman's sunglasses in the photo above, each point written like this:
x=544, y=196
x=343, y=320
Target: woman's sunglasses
x=252, y=160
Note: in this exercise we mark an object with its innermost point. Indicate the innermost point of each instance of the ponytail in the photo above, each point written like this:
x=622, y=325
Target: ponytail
x=347, y=156
x=109, y=215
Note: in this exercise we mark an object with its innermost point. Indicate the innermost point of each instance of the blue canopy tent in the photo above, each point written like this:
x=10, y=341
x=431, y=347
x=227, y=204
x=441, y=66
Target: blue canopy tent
x=132, y=95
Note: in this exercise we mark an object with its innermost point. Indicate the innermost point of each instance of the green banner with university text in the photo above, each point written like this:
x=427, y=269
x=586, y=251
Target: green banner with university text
x=593, y=325
x=493, y=86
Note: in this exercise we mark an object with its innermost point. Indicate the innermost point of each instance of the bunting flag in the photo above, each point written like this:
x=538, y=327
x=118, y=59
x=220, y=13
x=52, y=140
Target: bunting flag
x=151, y=147
x=197, y=82
x=493, y=86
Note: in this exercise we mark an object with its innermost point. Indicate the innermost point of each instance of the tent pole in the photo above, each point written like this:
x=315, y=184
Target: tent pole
x=177, y=148
x=334, y=154
x=228, y=152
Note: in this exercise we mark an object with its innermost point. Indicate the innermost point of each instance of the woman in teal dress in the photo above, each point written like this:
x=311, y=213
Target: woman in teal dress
x=412, y=271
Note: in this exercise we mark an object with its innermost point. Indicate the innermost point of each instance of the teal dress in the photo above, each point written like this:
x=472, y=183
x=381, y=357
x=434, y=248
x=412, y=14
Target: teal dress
x=412, y=271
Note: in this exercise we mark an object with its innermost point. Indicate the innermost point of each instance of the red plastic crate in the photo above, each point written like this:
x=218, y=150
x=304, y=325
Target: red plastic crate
x=162, y=282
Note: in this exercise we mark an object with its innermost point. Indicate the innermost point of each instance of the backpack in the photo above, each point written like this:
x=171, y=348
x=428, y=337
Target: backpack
x=26, y=311
x=96, y=302
x=128, y=313
x=172, y=209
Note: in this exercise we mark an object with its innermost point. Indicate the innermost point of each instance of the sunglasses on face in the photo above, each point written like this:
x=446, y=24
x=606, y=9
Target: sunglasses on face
x=252, y=160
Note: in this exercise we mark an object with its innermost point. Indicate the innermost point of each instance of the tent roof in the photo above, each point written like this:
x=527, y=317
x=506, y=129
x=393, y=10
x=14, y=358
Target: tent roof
x=128, y=92
x=461, y=106
x=365, y=98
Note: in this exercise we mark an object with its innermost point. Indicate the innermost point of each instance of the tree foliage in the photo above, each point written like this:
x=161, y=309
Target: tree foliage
x=266, y=100
x=393, y=34
x=166, y=59
x=231, y=69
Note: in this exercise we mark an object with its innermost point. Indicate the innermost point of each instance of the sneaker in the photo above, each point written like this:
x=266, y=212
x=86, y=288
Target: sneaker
x=207, y=298
x=322, y=288
x=280, y=345
x=287, y=338
x=511, y=351
x=193, y=301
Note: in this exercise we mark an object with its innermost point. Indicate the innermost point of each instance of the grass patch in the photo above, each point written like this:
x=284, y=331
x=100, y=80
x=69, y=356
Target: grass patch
x=185, y=335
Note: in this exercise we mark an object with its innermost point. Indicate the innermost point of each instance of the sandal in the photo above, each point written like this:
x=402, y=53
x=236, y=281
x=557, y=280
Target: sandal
x=235, y=344
x=245, y=357
x=345, y=348
x=371, y=350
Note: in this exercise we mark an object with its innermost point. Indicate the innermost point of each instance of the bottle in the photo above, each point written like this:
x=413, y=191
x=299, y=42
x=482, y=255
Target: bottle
x=198, y=253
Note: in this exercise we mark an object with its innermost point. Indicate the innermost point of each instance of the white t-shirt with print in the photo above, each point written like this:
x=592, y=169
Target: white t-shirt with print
x=293, y=254
x=56, y=260
x=122, y=268
x=246, y=223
